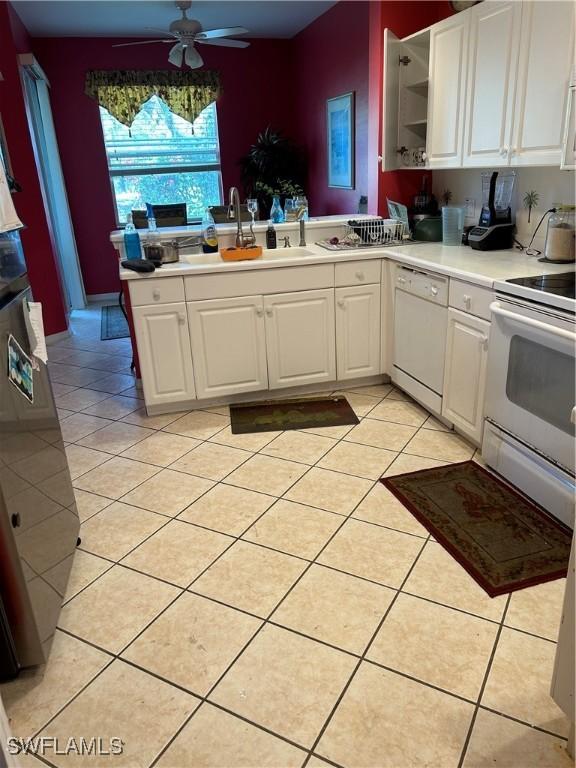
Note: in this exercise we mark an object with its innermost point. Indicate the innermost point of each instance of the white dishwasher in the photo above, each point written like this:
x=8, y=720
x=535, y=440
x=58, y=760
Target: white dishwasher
x=420, y=323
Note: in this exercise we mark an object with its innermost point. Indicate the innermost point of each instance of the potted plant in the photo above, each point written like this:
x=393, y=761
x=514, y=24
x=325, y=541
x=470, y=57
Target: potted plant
x=274, y=165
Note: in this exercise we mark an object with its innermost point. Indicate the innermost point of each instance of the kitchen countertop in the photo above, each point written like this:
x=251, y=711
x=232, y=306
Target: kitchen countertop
x=478, y=267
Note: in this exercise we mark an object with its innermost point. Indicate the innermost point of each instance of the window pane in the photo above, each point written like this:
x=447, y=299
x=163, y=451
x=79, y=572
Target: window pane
x=159, y=138
x=198, y=189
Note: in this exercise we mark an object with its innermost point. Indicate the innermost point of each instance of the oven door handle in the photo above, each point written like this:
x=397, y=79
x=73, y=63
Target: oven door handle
x=496, y=309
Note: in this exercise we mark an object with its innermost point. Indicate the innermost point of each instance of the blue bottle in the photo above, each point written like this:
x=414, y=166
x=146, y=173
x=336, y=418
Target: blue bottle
x=276, y=212
x=132, y=247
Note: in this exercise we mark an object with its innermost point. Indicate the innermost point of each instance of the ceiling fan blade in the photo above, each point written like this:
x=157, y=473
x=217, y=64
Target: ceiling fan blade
x=176, y=55
x=207, y=34
x=226, y=42
x=163, y=31
x=141, y=42
x=192, y=57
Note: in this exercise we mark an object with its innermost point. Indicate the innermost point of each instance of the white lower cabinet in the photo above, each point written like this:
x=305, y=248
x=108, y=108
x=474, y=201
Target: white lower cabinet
x=357, y=331
x=228, y=345
x=465, y=373
x=164, y=353
x=300, y=338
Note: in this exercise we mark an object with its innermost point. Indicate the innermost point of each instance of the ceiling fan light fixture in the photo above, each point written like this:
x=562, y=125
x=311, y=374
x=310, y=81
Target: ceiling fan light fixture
x=176, y=55
x=192, y=57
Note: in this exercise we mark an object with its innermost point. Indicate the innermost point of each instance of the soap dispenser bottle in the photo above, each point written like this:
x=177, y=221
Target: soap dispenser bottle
x=270, y=235
x=276, y=212
x=132, y=248
x=209, y=236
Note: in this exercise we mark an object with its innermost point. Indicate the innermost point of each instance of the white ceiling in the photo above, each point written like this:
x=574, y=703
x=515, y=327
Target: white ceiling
x=129, y=18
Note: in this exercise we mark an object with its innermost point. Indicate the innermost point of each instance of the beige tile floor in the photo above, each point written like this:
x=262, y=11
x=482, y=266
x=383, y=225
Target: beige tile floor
x=262, y=601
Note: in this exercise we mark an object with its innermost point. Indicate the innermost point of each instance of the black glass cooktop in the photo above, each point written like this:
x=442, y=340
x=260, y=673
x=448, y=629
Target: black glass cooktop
x=562, y=284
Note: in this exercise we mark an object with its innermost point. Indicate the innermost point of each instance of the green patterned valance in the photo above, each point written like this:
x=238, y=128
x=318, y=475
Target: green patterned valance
x=122, y=93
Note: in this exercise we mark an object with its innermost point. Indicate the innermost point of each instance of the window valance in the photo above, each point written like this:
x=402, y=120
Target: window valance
x=122, y=93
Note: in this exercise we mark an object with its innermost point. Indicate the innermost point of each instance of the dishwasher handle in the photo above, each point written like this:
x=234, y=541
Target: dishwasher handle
x=496, y=309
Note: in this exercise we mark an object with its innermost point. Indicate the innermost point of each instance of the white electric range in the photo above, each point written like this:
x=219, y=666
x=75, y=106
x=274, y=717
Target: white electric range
x=530, y=427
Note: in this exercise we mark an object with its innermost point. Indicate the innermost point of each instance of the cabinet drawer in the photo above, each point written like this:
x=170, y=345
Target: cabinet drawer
x=470, y=298
x=164, y=290
x=260, y=281
x=357, y=273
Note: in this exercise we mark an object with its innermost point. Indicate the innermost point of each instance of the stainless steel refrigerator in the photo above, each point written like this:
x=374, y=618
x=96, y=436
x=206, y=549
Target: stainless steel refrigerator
x=38, y=519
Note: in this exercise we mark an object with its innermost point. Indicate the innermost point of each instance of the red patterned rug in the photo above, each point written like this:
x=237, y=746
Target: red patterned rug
x=504, y=541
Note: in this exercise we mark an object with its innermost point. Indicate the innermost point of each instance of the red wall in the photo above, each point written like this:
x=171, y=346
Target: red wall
x=255, y=81
x=36, y=237
x=331, y=58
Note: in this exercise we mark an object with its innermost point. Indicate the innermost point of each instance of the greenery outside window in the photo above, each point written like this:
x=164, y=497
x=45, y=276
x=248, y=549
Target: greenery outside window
x=163, y=158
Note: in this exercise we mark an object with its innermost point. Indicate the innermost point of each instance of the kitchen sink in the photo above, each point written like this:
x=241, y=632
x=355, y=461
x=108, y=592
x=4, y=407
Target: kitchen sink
x=268, y=254
x=287, y=253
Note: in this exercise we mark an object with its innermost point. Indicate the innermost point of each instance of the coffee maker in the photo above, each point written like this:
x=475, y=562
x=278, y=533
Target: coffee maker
x=495, y=230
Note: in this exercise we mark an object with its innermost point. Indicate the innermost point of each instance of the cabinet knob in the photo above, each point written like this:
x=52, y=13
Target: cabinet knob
x=401, y=280
x=15, y=520
x=269, y=311
x=467, y=300
x=359, y=275
x=573, y=415
x=341, y=303
x=259, y=311
x=434, y=290
x=181, y=318
x=484, y=341
x=155, y=294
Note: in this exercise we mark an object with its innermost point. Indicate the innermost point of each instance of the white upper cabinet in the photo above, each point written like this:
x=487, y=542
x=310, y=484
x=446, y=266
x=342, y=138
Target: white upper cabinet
x=496, y=90
x=228, y=345
x=392, y=47
x=358, y=331
x=300, y=338
x=546, y=59
x=447, y=91
x=164, y=353
x=492, y=71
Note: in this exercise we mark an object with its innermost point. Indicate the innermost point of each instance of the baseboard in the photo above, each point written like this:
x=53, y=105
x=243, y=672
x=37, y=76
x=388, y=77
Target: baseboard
x=54, y=337
x=267, y=394
x=97, y=297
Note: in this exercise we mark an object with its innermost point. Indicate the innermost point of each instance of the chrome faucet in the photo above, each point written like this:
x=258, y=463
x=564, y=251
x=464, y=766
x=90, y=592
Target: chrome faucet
x=300, y=216
x=242, y=240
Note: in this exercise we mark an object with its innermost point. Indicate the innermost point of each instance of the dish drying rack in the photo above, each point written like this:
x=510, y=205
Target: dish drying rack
x=368, y=233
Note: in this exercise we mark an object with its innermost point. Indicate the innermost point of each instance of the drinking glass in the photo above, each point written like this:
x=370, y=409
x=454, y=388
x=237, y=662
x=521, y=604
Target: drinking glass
x=252, y=205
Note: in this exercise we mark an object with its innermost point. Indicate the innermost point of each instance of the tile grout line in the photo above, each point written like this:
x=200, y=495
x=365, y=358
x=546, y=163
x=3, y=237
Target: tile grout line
x=362, y=658
x=484, y=683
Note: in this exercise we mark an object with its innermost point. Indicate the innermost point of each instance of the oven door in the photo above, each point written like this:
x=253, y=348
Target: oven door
x=531, y=379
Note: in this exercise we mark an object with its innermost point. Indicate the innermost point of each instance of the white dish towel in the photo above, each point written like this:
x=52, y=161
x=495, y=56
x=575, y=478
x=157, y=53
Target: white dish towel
x=8, y=217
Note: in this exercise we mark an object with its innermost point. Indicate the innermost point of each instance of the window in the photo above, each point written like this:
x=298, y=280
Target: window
x=163, y=159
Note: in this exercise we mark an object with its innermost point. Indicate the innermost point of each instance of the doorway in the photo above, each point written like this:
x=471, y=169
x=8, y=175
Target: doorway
x=39, y=111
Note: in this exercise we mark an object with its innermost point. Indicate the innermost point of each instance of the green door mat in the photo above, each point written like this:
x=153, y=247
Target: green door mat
x=301, y=413
x=502, y=539
x=113, y=324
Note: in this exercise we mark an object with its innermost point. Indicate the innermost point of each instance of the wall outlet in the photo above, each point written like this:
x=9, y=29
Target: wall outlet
x=470, y=204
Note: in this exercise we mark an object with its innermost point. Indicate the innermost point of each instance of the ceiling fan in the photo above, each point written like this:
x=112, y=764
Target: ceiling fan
x=187, y=32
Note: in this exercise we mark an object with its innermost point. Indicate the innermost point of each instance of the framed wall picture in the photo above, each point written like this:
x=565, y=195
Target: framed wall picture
x=341, y=141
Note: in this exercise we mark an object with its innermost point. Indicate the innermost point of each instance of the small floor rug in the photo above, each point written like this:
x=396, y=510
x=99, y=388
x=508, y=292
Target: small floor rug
x=113, y=324
x=300, y=413
x=504, y=541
